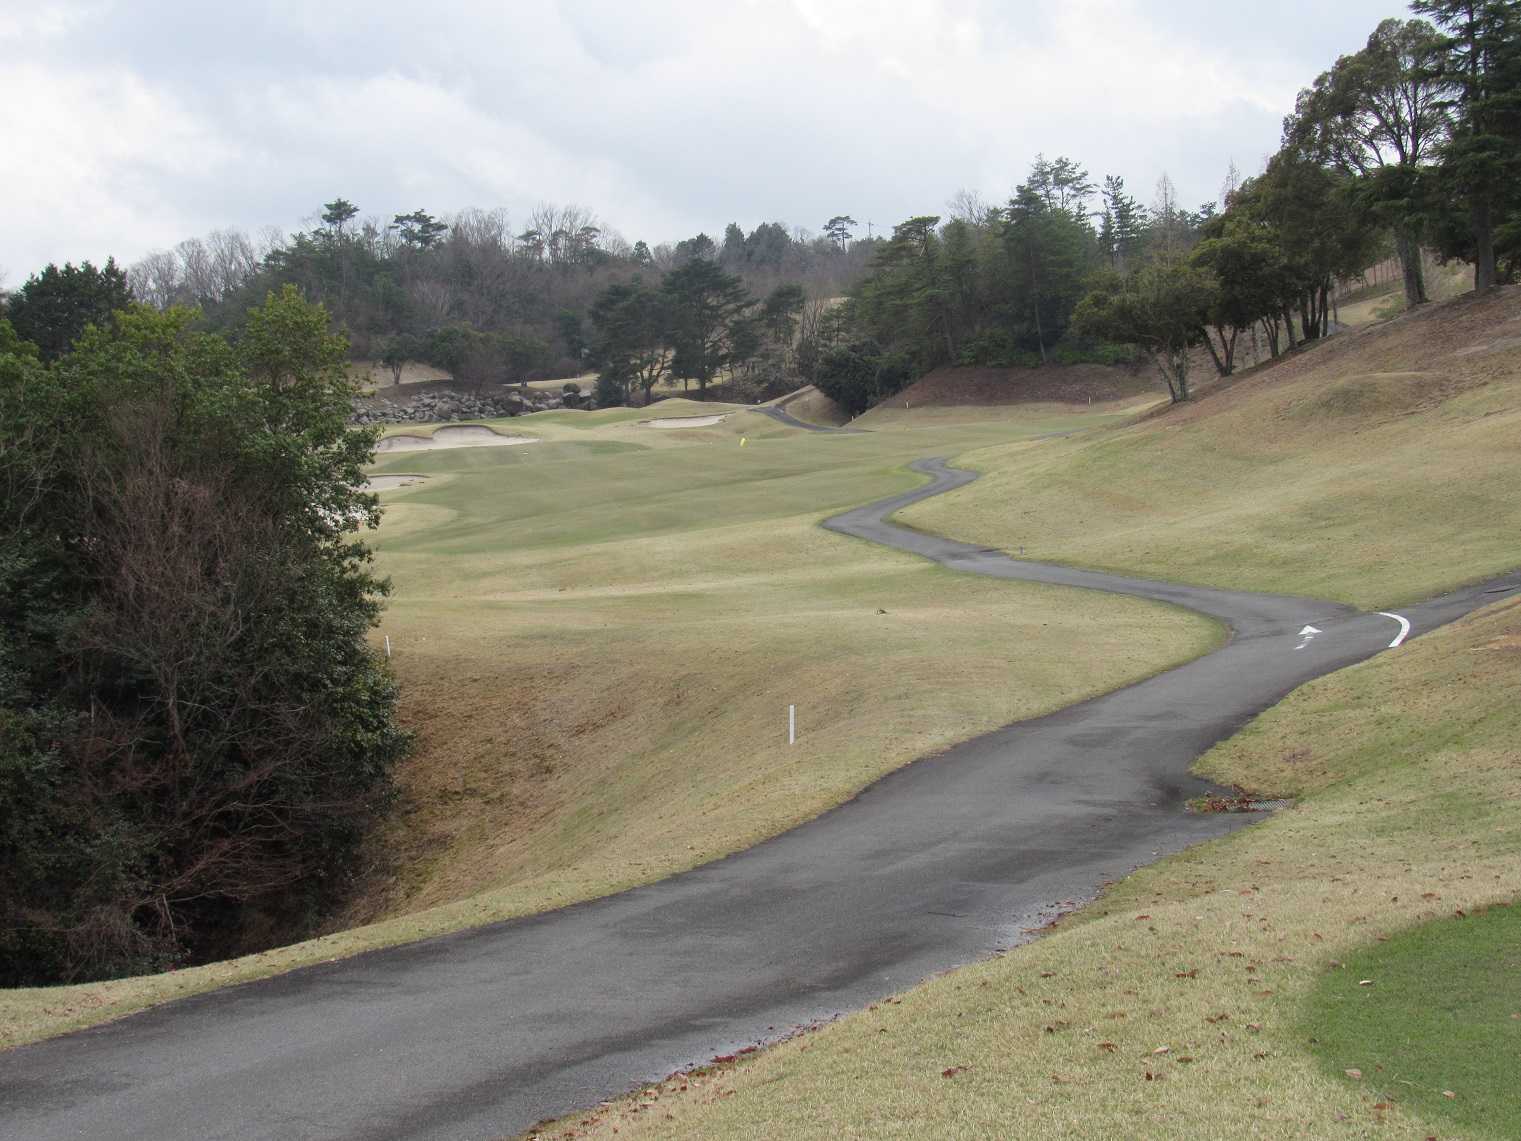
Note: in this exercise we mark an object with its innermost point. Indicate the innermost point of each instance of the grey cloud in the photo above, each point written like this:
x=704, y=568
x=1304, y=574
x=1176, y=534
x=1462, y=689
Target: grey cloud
x=676, y=115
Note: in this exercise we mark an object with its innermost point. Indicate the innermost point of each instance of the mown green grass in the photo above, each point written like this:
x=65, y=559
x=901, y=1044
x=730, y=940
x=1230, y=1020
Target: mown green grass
x=1431, y=1018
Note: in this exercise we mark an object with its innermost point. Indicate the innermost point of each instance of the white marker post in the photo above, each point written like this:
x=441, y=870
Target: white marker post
x=792, y=724
x=388, y=645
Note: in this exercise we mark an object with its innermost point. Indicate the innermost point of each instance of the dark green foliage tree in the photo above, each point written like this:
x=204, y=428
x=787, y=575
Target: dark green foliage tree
x=768, y=246
x=338, y=213
x=1380, y=115
x=1123, y=228
x=1254, y=283
x=398, y=350
x=780, y=311
x=698, y=248
x=839, y=230
x=1162, y=309
x=732, y=254
x=472, y=356
x=572, y=334
x=1312, y=215
x=1061, y=184
x=859, y=374
x=1052, y=249
x=53, y=307
x=707, y=309
x=631, y=349
x=1477, y=57
x=419, y=230
x=194, y=735
x=908, y=301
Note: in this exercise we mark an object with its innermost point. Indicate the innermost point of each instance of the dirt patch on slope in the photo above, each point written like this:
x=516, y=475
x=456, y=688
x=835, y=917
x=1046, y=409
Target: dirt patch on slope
x=1049, y=384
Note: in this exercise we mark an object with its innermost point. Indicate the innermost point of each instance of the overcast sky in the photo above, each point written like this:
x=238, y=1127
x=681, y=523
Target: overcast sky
x=127, y=126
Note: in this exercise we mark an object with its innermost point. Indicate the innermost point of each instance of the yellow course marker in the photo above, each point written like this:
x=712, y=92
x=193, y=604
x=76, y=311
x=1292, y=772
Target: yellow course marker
x=743, y=441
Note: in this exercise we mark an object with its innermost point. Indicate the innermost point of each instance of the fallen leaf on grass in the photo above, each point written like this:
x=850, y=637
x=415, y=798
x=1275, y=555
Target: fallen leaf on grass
x=1108, y=1047
x=1162, y=1050
x=1447, y=1093
x=1355, y=1075
x=953, y=1071
x=1364, y=982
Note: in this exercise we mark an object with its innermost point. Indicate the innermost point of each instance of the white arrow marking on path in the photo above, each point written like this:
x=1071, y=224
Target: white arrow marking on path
x=1404, y=627
x=1308, y=633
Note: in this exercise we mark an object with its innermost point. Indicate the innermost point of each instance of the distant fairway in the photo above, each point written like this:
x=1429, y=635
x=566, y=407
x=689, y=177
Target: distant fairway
x=598, y=639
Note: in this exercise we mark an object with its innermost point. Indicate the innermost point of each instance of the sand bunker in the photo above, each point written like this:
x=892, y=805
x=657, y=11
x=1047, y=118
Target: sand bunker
x=463, y=436
x=683, y=422
x=391, y=482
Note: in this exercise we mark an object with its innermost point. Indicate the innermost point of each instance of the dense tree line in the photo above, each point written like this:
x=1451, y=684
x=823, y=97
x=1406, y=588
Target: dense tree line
x=1412, y=142
x=489, y=302
x=997, y=285
x=194, y=734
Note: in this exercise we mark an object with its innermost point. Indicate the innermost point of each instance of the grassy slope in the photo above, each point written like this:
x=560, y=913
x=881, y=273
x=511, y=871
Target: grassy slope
x=598, y=636
x=1214, y=954
x=1379, y=467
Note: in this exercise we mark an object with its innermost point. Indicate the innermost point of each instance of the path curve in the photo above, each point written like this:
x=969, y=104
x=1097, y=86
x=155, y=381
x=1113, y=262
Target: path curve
x=481, y=1033
x=780, y=414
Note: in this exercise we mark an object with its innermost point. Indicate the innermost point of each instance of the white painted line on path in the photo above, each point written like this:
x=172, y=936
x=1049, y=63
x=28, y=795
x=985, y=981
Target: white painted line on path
x=1404, y=627
x=1308, y=634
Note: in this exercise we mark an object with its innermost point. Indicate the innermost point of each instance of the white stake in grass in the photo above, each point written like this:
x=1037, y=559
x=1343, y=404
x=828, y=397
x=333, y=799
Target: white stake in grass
x=388, y=645
x=792, y=724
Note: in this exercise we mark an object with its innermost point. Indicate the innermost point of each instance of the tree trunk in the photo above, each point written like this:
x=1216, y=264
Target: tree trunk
x=1222, y=364
x=1164, y=366
x=1483, y=242
x=1410, y=262
x=1288, y=325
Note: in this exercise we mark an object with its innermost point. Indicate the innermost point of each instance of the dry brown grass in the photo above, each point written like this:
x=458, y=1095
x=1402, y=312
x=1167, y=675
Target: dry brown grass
x=1375, y=468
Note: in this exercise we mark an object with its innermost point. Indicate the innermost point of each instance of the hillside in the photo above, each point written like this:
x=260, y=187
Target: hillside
x=1376, y=467
x=963, y=395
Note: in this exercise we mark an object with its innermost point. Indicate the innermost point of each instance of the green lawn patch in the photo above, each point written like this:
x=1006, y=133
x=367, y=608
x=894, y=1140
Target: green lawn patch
x=1431, y=1018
